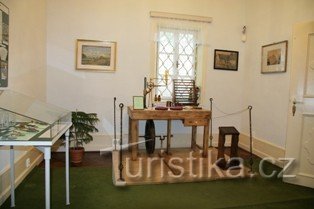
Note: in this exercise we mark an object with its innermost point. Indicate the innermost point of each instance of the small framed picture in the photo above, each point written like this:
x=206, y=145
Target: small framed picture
x=274, y=57
x=95, y=55
x=138, y=102
x=226, y=60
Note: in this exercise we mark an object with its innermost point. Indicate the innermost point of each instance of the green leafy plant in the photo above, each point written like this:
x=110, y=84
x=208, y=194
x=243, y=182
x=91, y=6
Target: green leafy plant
x=82, y=125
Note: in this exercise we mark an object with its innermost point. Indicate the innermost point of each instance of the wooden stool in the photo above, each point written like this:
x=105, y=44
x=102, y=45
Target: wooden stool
x=223, y=131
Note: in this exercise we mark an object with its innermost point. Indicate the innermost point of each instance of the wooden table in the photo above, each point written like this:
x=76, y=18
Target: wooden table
x=189, y=117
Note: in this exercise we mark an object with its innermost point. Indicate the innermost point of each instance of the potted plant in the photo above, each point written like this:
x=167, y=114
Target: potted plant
x=82, y=125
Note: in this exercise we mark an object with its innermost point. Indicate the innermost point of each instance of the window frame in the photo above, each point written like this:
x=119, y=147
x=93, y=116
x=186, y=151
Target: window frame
x=176, y=56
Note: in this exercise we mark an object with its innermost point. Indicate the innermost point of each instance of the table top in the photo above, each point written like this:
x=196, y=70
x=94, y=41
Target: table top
x=153, y=114
x=42, y=138
x=228, y=130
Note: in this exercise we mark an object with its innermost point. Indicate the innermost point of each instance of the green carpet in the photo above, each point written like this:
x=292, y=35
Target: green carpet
x=91, y=188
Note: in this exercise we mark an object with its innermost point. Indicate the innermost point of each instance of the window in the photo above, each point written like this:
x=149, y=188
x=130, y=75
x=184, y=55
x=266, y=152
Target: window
x=177, y=53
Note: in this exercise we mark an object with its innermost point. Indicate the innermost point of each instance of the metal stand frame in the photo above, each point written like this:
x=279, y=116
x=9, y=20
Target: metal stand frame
x=114, y=124
x=251, y=139
x=211, y=123
x=121, y=105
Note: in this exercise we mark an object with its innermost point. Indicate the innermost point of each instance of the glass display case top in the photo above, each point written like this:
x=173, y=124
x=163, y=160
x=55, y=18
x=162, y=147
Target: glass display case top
x=24, y=118
x=30, y=107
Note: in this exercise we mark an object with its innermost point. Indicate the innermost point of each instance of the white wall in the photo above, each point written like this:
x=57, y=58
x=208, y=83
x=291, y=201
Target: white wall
x=270, y=21
x=42, y=57
x=128, y=23
x=27, y=54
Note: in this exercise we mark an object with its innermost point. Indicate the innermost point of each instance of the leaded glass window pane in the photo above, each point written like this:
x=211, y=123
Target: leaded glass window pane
x=177, y=53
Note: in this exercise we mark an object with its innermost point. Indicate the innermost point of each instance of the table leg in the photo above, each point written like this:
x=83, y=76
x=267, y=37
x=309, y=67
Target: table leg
x=130, y=136
x=12, y=176
x=193, y=140
x=47, y=157
x=234, y=146
x=205, y=140
x=221, y=146
x=67, y=168
x=168, y=136
x=234, y=151
x=221, y=162
x=134, y=138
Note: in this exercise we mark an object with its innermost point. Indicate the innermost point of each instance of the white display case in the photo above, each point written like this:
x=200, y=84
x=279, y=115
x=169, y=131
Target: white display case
x=25, y=121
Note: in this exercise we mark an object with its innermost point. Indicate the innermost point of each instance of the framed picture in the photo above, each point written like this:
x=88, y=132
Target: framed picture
x=95, y=55
x=138, y=102
x=226, y=60
x=4, y=46
x=274, y=57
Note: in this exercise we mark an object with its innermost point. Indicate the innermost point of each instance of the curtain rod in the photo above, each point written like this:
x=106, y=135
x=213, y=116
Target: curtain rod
x=175, y=16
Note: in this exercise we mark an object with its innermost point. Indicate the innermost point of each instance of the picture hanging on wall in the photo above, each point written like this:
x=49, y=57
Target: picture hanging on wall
x=95, y=55
x=274, y=57
x=226, y=60
x=4, y=45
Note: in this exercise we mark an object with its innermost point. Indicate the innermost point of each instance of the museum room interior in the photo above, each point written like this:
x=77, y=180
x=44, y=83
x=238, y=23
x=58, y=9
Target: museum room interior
x=156, y=104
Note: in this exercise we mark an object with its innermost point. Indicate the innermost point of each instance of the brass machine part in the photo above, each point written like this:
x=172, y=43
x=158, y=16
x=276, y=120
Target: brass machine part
x=149, y=86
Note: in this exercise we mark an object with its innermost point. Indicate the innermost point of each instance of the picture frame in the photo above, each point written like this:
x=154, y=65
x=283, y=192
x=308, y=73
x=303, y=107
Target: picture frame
x=4, y=46
x=274, y=57
x=95, y=55
x=226, y=60
x=138, y=102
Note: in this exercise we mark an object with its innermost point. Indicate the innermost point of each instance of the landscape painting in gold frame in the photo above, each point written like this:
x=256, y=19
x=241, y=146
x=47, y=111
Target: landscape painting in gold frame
x=95, y=55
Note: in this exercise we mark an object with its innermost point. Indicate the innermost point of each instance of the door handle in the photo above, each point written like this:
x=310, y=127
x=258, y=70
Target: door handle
x=294, y=106
x=294, y=109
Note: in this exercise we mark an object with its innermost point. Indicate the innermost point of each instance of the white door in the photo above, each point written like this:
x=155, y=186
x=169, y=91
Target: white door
x=300, y=135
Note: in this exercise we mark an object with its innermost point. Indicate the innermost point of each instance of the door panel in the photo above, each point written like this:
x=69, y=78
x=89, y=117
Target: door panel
x=300, y=134
x=307, y=145
x=309, y=84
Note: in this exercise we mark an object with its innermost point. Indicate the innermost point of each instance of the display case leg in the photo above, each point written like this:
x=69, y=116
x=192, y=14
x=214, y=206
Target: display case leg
x=67, y=168
x=47, y=157
x=12, y=176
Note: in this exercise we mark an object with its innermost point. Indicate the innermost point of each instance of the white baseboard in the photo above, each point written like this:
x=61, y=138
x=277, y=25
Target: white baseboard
x=21, y=171
x=263, y=149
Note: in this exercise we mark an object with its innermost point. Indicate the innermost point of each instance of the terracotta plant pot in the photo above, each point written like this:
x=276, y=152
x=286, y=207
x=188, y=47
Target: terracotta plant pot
x=76, y=154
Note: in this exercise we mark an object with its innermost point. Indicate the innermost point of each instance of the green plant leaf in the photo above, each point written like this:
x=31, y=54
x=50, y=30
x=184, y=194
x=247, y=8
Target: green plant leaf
x=82, y=125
